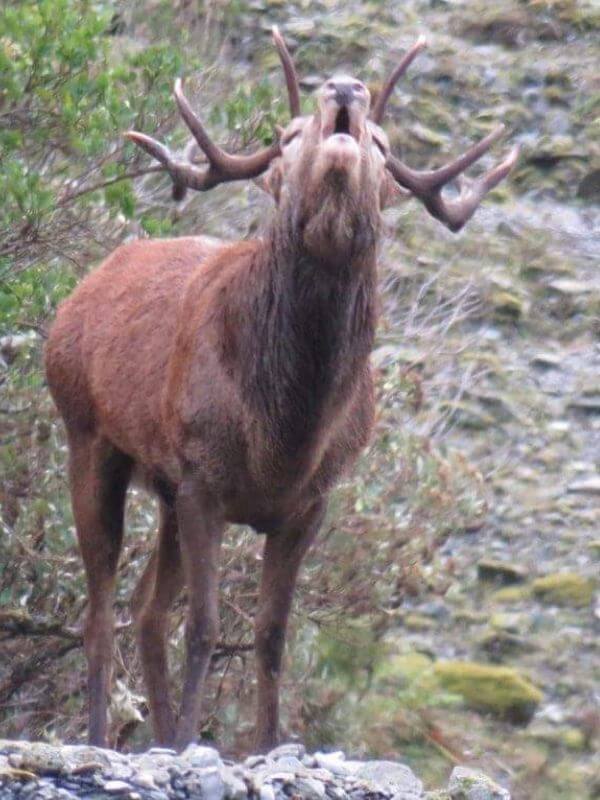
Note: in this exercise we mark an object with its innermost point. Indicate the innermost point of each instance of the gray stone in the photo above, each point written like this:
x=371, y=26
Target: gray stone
x=161, y=776
x=145, y=779
x=336, y=793
x=235, y=788
x=266, y=792
x=290, y=764
x=309, y=789
x=334, y=762
x=294, y=749
x=254, y=761
x=502, y=572
x=388, y=776
x=117, y=787
x=279, y=775
x=200, y=756
x=468, y=784
x=213, y=785
x=121, y=772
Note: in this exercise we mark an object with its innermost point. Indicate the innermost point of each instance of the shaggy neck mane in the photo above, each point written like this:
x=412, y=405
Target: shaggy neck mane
x=309, y=331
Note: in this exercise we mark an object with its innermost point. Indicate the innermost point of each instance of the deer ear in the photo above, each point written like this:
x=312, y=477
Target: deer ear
x=271, y=181
x=390, y=191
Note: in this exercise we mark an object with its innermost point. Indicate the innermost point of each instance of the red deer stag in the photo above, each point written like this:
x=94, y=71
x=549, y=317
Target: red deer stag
x=234, y=379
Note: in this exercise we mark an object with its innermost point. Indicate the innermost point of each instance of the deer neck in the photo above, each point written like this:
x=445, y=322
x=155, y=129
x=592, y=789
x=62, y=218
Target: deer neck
x=310, y=336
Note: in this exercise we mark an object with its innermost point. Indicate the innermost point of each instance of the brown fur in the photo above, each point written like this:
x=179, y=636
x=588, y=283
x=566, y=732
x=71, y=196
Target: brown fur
x=234, y=380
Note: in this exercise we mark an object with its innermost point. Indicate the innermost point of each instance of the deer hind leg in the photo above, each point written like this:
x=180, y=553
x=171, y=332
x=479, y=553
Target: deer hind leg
x=283, y=554
x=200, y=534
x=154, y=595
x=98, y=475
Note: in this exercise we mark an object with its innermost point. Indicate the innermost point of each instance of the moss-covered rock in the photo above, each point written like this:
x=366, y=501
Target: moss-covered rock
x=500, y=690
x=500, y=644
x=469, y=784
x=564, y=589
x=403, y=669
x=512, y=594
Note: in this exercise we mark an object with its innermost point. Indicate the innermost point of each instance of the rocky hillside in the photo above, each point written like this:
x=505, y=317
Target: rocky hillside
x=450, y=614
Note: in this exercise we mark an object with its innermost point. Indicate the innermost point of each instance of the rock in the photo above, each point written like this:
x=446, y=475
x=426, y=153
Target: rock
x=589, y=186
x=310, y=789
x=322, y=776
x=235, y=788
x=39, y=758
x=564, y=589
x=512, y=594
x=334, y=762
x=501, y=644
x=254, y=761
x=208, y=782
x=546, y=360
x=117, y=787
x=290, y=764
x=388, y=776
x=266, y=792
x=500, y=690
x=570, y=286
x=200, y=756
x=508, y=305
x=511, y=623
x=294, y=749
x=144, y=779
x=468, y=784
x=588, y=406
x=588, y=486
x=403, y=669
x=489, y=569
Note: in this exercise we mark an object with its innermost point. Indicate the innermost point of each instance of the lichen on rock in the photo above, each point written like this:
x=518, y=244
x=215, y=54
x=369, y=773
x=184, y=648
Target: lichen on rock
x=499, y=690
x=564, y=589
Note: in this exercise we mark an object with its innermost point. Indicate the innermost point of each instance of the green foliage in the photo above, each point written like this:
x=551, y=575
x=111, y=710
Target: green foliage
x=67, y=94
x=251, y=112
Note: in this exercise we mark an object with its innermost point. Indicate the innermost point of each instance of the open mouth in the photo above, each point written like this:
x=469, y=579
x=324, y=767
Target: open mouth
x=342, y=121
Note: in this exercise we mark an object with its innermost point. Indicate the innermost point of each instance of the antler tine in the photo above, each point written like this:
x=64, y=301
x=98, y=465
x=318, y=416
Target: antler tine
x=235, y=167
x=291, y=77
x=379, y=107
x=222, y=167
x=428, y=185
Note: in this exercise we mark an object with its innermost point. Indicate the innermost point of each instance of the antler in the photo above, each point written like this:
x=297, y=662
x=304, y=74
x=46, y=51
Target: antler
x=379, y=107
x=291, y=78
x=428, y=185
x=222, y=167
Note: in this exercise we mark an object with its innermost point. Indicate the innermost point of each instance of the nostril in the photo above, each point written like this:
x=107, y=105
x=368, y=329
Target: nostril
x=344, y=95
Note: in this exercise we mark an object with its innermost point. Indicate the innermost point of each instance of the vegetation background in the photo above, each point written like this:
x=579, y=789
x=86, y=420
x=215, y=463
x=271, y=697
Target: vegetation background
x=448, y=613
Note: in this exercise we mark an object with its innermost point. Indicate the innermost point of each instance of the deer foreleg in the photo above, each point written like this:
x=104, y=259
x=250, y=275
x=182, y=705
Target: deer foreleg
x=283, y=554
x=200, y=535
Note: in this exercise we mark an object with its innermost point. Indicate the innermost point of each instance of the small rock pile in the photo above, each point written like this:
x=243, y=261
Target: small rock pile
x=38, y=771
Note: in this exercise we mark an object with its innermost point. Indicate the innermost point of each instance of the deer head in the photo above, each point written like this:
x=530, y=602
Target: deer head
x=332, y=172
